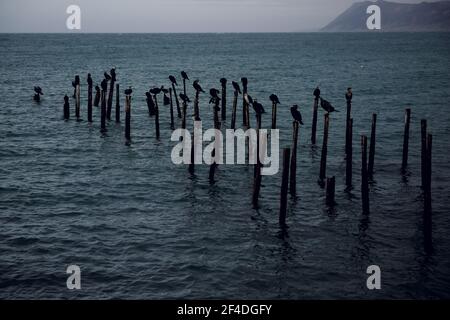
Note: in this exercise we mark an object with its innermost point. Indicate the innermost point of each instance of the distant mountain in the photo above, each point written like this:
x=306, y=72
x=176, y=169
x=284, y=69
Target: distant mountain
x=395, y=17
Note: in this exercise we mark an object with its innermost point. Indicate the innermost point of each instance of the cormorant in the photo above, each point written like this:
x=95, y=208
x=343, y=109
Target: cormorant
x=259, y=109
x=244, y=81
x=349, y=95
x=185, y=98
x=316, y=92
x=236, y=86
x=184, y=75
x=155, y=91
x=223, y=81
x=296, y=114
x=89, y=80
x=214, y=95
x=113, y=74
x=248, y=99
x=38, y=90
x=107, y=76
x=128, y=91
x=166, y=100
x=274, y=99
x=197, y=86
x=173, y=80
x=327, y=106
x=164, y=90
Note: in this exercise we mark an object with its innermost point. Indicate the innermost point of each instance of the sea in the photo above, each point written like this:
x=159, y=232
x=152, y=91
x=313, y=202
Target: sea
x=141, y=227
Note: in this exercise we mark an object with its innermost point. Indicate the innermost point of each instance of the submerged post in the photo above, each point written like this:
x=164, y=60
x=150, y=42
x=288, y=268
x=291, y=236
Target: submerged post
x=314, y=120
x=257, y=175
x=245, y=107
x=66, y=108
x=284, y=186
x=77, y=102
x=128, y=117
x=372, y=146
x=293, y=171
x=427, y=214
x=223, y=81
x=233, y=112
x=423, y=129
x=97, y=96
x=89, y=105
x=364, y=176
x=349, y=158
x=172, y=124
x=117, y=104
x=111, y=93
x=348, y=98
x=330, y=191
x=323, y=158
x=156, y=116
x=406, y=139
x=104, y=86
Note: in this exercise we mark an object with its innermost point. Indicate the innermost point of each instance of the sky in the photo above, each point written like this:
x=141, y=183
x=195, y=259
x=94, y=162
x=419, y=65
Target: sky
x=166, y=16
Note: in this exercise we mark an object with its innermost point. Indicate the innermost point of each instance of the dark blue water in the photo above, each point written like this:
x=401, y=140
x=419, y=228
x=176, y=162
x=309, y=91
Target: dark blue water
x=142, y=227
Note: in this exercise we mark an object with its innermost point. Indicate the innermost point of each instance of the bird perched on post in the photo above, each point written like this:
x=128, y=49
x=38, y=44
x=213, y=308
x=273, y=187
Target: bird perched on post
x=104, y=85
x=128, y=91
x=244, y=81
x=327, y=106
x=156, y=90
x=259, y=109
x=223, y=81
x=349, y=95
x=74, y=85
x=89, y=80
x=214, y=95
x=107, y=76
x=236, y=87
x=296, y=114
x=316, y=92
x=184, y=75
x=274, y=99
x=37, y=96
x=113, y=74
x=197, y=87
x=173, y=80
x=248, y=99
x=184, y=98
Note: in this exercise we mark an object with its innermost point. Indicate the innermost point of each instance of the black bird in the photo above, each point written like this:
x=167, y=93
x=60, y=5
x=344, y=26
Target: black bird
x=214, y=95
x=97, y=88
x=185, y=98
x=76, y=82
x=223, y=81
x=259, y=109
x=173, y=80
x=166, y=100
x=274, y=99
x=197, y=86
x=327, y=106
x=164, y=90
x=107, y=76
x=316, y=92
x=184, y=75
x=296, y=114
x=155, y=91
x=244, y=81
x=89, y=80
x=104, y=85
x=113, y=74
x=128, y=91
x=236, y=87
x=38, y=90
x=349, y=95
x=248, y=99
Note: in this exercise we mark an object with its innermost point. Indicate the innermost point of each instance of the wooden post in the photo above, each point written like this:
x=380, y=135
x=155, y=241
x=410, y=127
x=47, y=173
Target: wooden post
x=423, y=129
x=349, y=158
x=293, y=171
x=284, y=186
x=184, y=87
x=192, y=164
x=172, y=124
x=406, y=139
x=364, y=175
x=176, y=98
x=97, y=96
x=103, y=112
x=330, y=191
x=223, y=81
x=274, y=115
x=110, y=98
x=117, y=104
x=372, y=146
x=427, y=214
x=323, y=158
x=156, y=116
x=245, y=120
x=349, y=112
x=183, y=121
x=77, y=102
x=314, y=121
x=66, y=108
x=196, y=107
x=212, y=168
x=89, y=106
x=233, y=112
x=128, y=118
x=257, y=174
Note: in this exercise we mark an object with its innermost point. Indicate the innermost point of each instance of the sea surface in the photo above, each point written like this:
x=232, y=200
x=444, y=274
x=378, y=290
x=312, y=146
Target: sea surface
x=142, y=227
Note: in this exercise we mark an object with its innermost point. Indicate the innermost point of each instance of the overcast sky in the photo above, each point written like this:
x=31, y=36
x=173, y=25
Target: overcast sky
x=173, y=15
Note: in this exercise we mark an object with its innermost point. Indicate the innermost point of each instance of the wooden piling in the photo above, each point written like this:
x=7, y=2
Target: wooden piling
x=293, y=170
x=89, y=104
x=364, y=176
x=423, y=129
x=172, y=124
x=257, y=174
x=406, y=139
x=183, y=120
x=77, y=102
x=347, y=125
x=156, y=117
x=192, y=164
x=314, y=121
x=223, y=81
x=117, y=104
x=128, y=118
x=427, y=214
x=274, y=115
x=330, y=191
x=372, y=146
x=66, y=108
x=97, y=96
x=284, y=186
x=349, y=158
x=176, y=98
x=103, y=112
x=196, y=106
x=233, y=112
x=323, y=158
x=245, y=107
x=217, y=124
x=110, y=98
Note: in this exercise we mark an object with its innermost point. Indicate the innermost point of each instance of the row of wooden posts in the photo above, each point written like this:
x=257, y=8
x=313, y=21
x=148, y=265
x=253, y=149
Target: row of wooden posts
x=289, y=163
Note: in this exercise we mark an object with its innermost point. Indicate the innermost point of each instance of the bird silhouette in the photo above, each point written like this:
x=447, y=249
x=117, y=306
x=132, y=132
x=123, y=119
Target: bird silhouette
x=38, y=90
x=258, y=107
x=223, y=81
x=349, y=95
x=214, y=95
x=274, y=99
x=113, y=74
x=164, y=90
x=184, y=98
x=97, y=88
x=128, y=91
x=248, y=99
x=184, y=75
x=236, y=87
x=104, y=84
x=156, y=90
x=197, y=87
x=327, y=106
x=173, y=80
x=89, y=80
x=316, y=92
x=107, y=76
x=77, y=81
x=244, y=81
x=166, y=100
x=296, y=114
